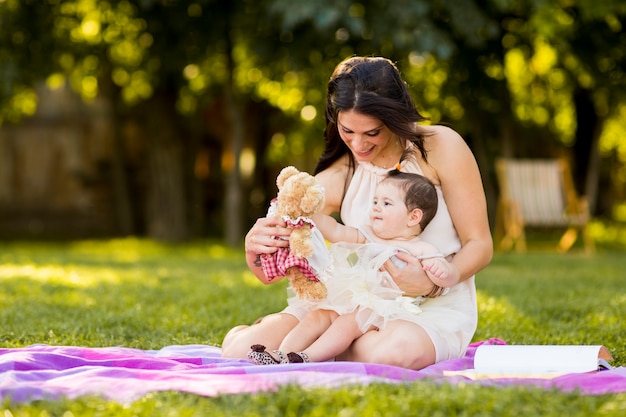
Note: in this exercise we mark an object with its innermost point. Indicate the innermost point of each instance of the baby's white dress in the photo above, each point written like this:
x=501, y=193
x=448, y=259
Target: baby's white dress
x=358, y=285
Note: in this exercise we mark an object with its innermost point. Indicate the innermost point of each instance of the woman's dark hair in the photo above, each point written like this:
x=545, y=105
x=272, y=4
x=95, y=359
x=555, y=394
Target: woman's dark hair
x=371, y=86
x=419, y=193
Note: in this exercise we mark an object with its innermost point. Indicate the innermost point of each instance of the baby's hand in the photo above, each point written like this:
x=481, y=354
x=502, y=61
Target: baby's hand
x=437, y=268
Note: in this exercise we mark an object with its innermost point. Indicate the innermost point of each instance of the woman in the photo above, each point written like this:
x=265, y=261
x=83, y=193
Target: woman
x=371, y=120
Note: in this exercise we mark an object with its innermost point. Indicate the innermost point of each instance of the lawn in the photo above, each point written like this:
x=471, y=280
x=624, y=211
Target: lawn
x=143, y=294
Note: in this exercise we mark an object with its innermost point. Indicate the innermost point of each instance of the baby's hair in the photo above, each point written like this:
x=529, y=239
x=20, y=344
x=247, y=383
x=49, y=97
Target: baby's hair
x=419, y=191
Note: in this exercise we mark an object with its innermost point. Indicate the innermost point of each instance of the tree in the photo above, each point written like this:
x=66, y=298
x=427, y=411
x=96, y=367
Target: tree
x=249, y=77
x=161, y=64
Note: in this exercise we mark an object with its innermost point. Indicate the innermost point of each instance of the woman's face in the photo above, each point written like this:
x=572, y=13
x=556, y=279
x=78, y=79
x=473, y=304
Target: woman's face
x=368, y=138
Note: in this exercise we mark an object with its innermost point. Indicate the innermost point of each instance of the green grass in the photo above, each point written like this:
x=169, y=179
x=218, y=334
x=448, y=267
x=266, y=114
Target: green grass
x=143, y=294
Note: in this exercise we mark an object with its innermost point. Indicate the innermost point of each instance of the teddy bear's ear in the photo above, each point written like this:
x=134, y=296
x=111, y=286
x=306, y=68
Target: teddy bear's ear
x=313, y=200
x=285, y=174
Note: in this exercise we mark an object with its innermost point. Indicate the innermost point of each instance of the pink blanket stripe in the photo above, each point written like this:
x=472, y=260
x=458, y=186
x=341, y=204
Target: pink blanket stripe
x=44, y=372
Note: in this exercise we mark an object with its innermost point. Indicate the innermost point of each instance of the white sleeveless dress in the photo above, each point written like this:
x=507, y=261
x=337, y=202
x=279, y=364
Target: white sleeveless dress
x=450, y=320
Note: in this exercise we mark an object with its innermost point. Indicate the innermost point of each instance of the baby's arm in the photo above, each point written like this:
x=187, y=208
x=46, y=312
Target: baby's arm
x=334, y=231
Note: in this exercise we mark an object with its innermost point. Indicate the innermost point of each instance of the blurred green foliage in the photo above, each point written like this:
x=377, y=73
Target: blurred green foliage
x=521, y=78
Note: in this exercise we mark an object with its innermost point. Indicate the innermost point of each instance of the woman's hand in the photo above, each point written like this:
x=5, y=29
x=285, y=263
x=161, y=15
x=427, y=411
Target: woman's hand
x=411, y=279
x=265, y=237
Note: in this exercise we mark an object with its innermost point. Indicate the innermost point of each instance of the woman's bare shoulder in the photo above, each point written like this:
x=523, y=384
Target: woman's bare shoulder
x=445, y=146
x=442, y=133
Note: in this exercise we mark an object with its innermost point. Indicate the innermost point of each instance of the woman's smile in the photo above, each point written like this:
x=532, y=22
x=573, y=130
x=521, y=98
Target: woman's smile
x=368, y=138
x=365, y=153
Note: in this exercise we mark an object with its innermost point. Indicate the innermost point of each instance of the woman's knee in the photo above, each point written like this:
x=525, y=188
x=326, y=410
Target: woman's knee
x=230, y=348
x=398, y=352
x=404, y=347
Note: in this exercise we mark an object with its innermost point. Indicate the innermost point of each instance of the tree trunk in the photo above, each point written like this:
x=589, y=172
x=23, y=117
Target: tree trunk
x=123, y=203
x=197, y=215
x=478, y=144
x=233, y=200
x=586, y=152
x=166, y=204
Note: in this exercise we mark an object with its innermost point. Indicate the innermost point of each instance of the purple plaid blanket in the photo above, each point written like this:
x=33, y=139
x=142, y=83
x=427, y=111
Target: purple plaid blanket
x=125, y=375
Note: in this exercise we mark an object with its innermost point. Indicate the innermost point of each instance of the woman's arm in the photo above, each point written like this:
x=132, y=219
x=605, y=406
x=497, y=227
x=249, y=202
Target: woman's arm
x=452, y=165
x=461, y=183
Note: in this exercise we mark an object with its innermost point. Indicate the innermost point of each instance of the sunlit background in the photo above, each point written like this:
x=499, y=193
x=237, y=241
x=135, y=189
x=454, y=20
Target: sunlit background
x=171, y=119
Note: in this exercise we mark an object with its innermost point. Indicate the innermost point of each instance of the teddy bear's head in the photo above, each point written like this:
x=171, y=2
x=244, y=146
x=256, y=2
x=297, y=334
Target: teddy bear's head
x=299, y=194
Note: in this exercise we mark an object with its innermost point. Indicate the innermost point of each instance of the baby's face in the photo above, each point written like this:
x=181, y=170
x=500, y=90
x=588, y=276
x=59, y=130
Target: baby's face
x=389, y=216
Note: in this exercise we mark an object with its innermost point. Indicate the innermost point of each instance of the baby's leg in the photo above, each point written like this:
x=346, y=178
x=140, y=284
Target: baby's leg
x=335, y=340
x=308, y=330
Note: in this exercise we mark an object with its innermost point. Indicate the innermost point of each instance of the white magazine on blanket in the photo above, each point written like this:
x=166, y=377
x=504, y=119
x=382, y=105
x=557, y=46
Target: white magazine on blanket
x=535, y=361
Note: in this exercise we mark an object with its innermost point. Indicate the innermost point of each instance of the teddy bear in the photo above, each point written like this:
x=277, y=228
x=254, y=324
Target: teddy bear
x=299, y=196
